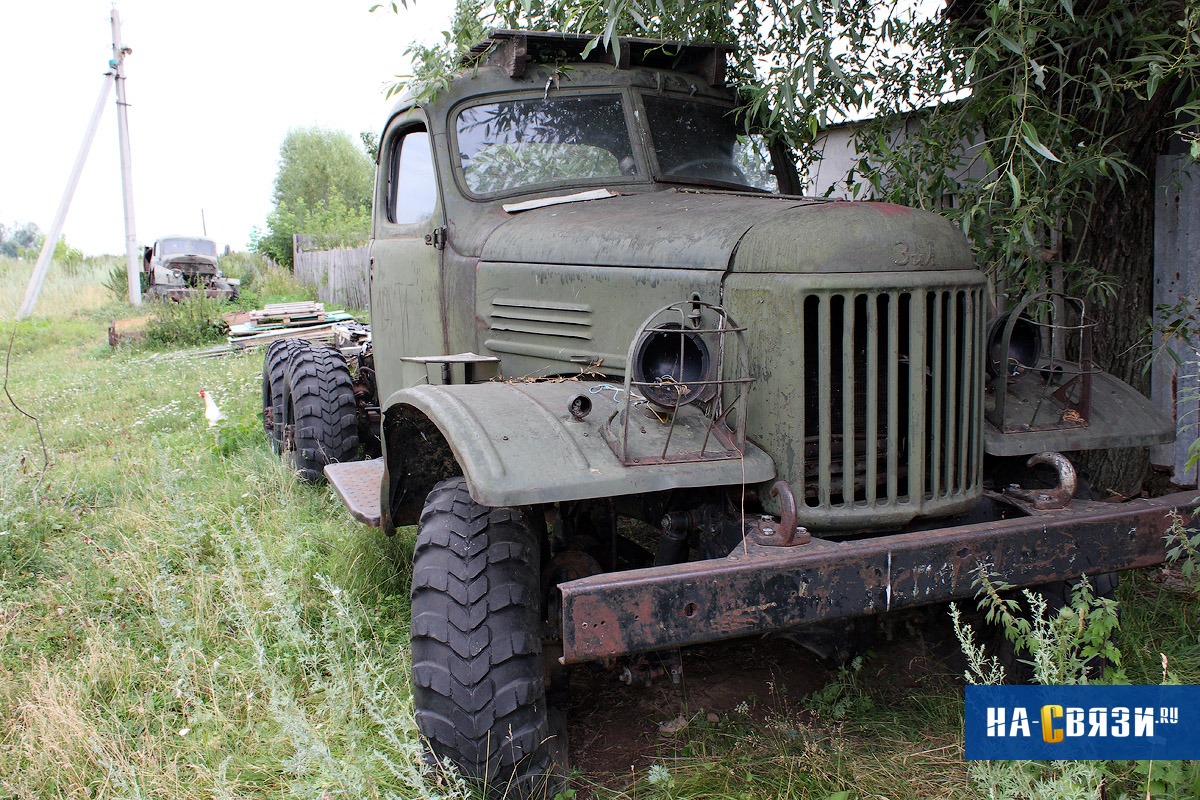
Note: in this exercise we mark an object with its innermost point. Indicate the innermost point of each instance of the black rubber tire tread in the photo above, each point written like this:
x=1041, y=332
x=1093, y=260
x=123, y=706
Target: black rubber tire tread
x=478, y=679
x=320, y=411
x=274, y=386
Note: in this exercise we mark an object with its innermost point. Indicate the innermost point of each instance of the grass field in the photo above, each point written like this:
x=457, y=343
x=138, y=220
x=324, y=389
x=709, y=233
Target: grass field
x=181, y=618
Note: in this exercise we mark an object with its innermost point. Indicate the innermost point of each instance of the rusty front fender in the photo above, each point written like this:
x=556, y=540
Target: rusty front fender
x=760, y=589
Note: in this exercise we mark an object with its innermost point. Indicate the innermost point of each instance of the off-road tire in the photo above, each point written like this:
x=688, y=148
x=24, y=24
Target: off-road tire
x=320, y=414
x=274, y=388
x=478, y=679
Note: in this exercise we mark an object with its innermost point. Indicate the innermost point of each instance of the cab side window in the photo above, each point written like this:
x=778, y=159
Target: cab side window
x=412, y=184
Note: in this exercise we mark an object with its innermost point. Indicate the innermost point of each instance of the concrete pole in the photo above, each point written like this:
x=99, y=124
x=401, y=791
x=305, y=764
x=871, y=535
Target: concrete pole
x=133, y=263
x=52, y=235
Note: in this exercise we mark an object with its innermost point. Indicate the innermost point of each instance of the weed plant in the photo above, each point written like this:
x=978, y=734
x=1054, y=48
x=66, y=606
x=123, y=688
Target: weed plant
x=193, y=321
x=279, y=284
x=246, y=267
x=1063, y=646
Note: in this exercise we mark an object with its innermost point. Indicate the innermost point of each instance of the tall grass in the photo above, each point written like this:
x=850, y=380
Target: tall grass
x=78, y=287
x=179, y=617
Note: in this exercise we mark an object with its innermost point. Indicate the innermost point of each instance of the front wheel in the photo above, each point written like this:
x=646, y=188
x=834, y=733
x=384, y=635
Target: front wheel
x=478, y=678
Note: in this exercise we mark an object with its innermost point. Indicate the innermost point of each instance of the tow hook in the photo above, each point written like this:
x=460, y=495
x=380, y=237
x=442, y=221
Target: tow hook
x=786, y=534
x=1046, y=499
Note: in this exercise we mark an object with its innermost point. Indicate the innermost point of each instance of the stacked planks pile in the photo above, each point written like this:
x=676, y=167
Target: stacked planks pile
x=306, y=320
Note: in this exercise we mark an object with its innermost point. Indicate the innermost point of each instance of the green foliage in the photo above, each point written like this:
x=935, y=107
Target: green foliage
x=20, y=241
x=25, y=241
x=370, y=143
x=844, y=696
x=246, y=267
x=195, y=320
x=1029, y=112
x=1061, y=644
x=328, y=225
x=317, y=165
x=1183, y=550
x=117, y=280
x=323, y=188
x=68, y=257
x=276, y=284
x=434, y=66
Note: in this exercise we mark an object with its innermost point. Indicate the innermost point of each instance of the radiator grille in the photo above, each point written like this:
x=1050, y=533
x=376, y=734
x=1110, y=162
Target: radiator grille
x=892, y=411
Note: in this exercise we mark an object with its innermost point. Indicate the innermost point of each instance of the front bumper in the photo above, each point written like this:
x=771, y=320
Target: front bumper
x=759, y=589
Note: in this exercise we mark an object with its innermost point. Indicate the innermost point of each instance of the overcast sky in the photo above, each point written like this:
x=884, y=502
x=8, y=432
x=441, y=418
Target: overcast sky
x=213, y=87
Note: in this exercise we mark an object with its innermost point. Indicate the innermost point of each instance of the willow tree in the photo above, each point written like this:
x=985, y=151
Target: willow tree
x=322, y=188
x=1041, y=120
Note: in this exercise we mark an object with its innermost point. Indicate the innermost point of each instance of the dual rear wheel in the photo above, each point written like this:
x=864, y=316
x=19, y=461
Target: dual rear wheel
x=310, y=414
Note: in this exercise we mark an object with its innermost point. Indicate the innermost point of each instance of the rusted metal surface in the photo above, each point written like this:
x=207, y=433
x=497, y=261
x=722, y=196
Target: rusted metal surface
x=510, y=50
x=761, y=589
x=785, y=533
x=1058, y=497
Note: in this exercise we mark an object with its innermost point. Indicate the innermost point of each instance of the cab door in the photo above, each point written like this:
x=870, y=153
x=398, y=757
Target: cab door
x=406, y=256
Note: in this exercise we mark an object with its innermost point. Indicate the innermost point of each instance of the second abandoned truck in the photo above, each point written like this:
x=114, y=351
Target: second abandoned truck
x=638, y=393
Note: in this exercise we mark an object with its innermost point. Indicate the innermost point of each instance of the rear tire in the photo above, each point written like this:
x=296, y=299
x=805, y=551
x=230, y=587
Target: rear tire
x=274, y=388
x=479, y=686
x=320, y=413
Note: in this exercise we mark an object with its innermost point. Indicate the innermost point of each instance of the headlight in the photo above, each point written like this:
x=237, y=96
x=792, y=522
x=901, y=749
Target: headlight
x=1024, y=346
x=672, y=366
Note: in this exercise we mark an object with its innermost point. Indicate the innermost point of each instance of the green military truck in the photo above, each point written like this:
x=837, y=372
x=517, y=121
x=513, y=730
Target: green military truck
x=638, y=393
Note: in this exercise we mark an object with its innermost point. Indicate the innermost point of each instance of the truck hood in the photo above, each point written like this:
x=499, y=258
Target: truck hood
x=690, y=229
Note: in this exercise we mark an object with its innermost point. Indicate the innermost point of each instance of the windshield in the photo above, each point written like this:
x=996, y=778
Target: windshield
x=569, y=140
x=195, y=247
x=702, y=142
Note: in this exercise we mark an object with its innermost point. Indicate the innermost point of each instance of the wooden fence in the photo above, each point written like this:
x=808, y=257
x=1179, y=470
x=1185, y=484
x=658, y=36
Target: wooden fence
x=340, y=276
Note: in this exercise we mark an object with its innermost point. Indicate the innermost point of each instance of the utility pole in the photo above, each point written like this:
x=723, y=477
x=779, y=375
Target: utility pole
x=44, y=258
x=133, y=265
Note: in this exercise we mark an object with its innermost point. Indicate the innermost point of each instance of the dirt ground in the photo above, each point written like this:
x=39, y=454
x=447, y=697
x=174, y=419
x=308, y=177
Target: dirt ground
x=614, y=729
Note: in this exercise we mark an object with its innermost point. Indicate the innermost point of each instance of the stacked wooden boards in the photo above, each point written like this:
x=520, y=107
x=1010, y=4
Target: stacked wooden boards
x=306, y=320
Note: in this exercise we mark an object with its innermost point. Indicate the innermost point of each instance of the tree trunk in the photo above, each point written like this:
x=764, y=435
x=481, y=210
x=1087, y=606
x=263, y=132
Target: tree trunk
x=1119, y=242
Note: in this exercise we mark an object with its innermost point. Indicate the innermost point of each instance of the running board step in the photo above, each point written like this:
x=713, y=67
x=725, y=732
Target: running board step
x=358, y=484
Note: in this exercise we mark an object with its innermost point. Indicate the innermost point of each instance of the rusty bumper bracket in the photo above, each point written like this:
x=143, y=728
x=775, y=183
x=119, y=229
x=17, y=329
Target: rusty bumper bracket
x=760, y=589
